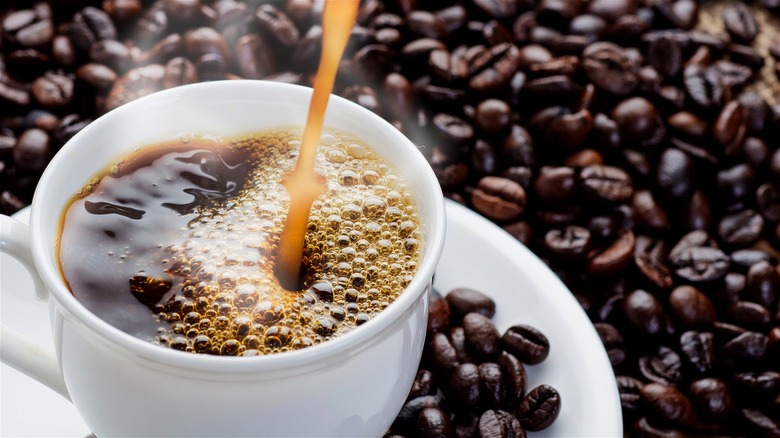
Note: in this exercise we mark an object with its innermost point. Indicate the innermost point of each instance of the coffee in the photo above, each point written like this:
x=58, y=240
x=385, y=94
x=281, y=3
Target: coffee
x=176, y=243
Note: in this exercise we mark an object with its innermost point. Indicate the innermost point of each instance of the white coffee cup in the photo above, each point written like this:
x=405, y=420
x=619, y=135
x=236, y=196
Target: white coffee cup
x=353, y=385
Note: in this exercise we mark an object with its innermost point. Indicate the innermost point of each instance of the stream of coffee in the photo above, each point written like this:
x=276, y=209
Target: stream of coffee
x=303, y=185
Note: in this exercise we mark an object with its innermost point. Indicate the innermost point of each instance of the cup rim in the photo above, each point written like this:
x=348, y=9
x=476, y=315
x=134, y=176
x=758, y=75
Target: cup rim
x=351, y=341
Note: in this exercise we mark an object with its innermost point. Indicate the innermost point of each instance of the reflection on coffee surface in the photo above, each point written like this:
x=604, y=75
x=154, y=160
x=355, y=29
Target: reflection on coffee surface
x=176, y=244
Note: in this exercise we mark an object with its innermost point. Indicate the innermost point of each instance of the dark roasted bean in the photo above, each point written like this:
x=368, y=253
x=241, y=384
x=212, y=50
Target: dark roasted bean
x=464, y=300
x=499, y=424
x=692, y=309
x=664, y=366
x=539, y=408
x=644, y=313
x=499, y=198
x=526, y=343
x=482, y=337
x=629, y=389
x=434, y=423
x=668, y=403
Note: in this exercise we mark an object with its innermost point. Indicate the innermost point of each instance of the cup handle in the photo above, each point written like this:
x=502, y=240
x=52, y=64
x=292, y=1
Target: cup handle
x=16, y=349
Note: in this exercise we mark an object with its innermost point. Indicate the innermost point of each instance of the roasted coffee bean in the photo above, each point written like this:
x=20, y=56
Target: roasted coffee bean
x=649, y=258
x=741, y=229
x=750, y=315
x=458, y=341
x=645, y=314
x=254, y=57
x=514, y=377
x=517, y=148
x=740, y=22
x=761, y=385
x=572, y=241
x=711, y=397
x=555, y=184
x=407, y=418
x=463, y=386
x=539, y=408
x=135, y=83
x=205, y=40
x=62, y=51
x=613, y=343
x=493, y=116
x=424, y=384
x=481, y=335
x=606, y=184
x=433, y=422
x=768, y=200
x=122, y=11
x=692, y=309
x=53, y=90
x=664, y=366
x=704, y=85
x=614, y=257
x=499, y=424
x=746, y=348
x=649, y=213
x=28, y=29
x=97, y=75
x=110, y=53
x=439, y=313
x=736, y=182
x=492, y=392
x=639, y=122
x=763, y=282
x=526, y=343
x=665, y=55
x=442, y=354
x=669, y=403
x=69, y=126
x=483, y=158
x=499, y=198
x=699, y=351
x=674, y=174
x=492, y=70
x=464, y=300
x=32, y=151
x=629, y=390
x=277, y=25
x=91, y=25
x=179, y=71
x=696, y=260
x=611, y=68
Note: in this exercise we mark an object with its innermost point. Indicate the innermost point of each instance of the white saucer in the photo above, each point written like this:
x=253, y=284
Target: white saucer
x=477, y=254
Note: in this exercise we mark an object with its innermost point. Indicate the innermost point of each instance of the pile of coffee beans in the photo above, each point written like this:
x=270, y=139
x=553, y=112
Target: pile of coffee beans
x=627, y=145
x=472, y=380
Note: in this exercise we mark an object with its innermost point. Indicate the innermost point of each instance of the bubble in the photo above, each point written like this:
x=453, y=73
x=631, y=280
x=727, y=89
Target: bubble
x=241, y=326
x=277, y=336
x=325, y=325
x=302, y=342
x=267, y=313
x=201, y=343
x=347, y=254
x=349, y=178
x=374, y=207
x=251, y=342
x=351, y=212
x=356, y=151
x=178, y=343
x=336, y=156
x=370, y=177
x=393, y=214
x=229, y=348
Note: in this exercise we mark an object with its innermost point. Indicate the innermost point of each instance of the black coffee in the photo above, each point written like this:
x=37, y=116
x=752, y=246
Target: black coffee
x=177, y=243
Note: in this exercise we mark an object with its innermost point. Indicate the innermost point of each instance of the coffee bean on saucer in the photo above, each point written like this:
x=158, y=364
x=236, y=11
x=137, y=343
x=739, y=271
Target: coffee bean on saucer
x=539, y=408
